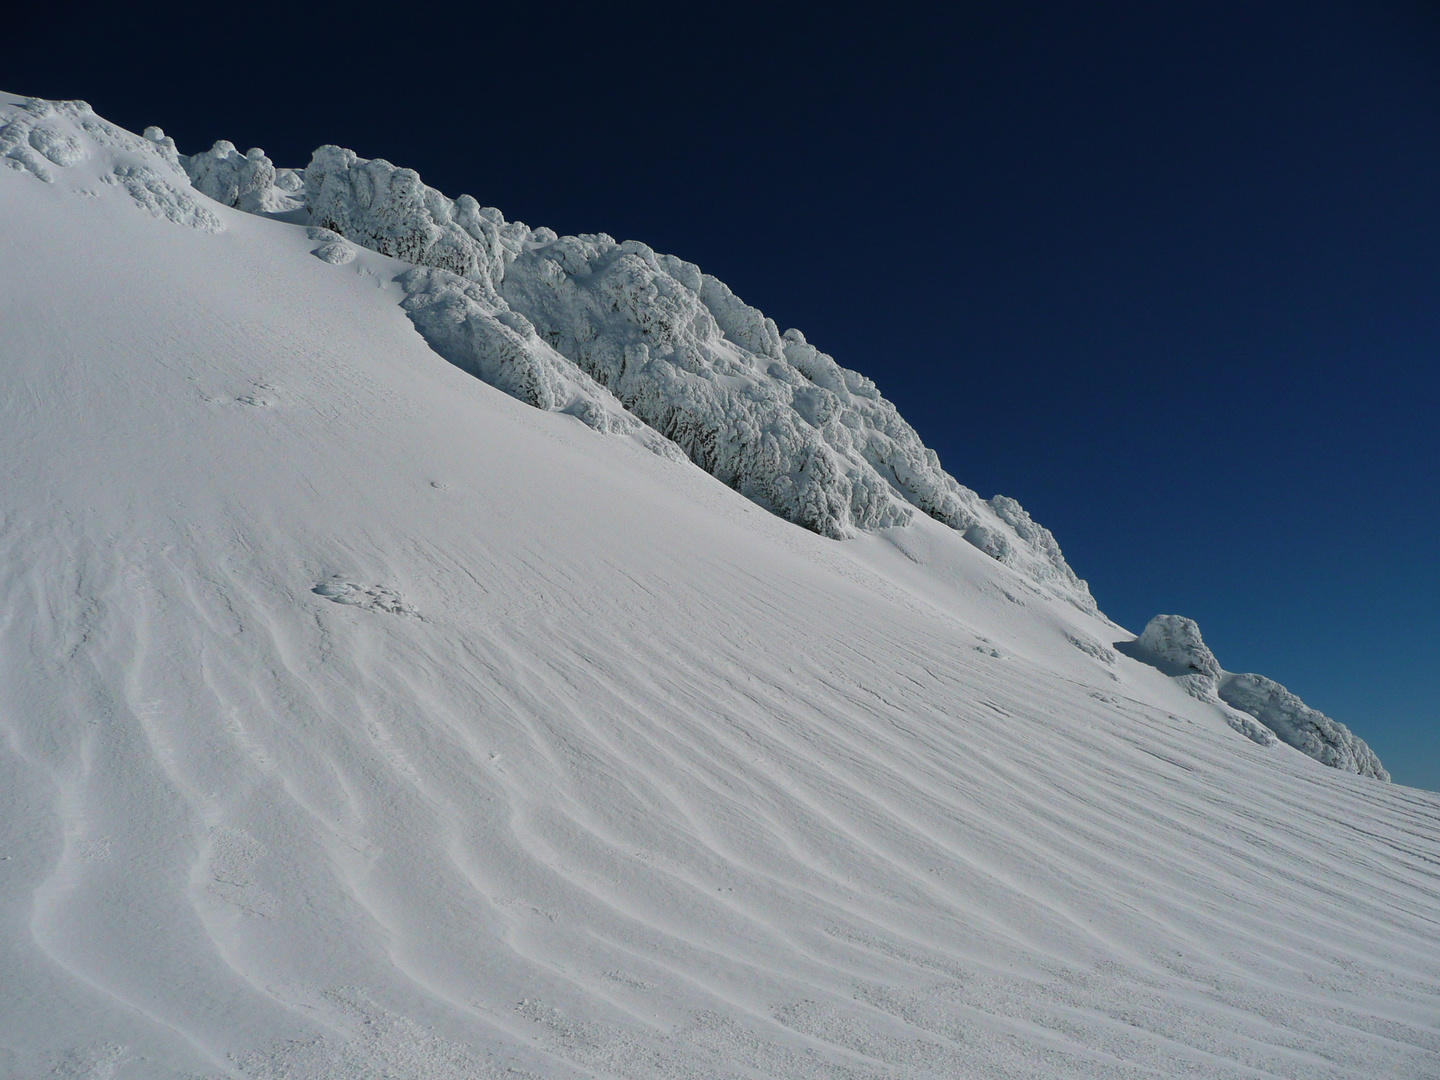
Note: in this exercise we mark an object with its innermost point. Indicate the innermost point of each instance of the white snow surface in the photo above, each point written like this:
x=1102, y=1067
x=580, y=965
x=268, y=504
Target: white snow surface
x=359, y=720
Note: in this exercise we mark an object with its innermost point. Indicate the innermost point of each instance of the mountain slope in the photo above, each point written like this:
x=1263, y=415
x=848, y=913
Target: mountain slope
x=359, y=719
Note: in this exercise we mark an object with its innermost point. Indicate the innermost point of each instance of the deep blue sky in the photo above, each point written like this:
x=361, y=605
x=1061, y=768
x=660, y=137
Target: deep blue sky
x=1169, y=277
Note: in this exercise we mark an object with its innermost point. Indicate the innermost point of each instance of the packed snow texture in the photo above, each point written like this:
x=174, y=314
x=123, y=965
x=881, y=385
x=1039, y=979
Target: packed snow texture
x=768, y=414
x=357, y=720
x=340, y=590
x=1173, y=644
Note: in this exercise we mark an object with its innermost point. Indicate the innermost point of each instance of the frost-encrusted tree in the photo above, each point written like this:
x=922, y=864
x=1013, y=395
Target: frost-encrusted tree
x=1308, y=730
x=1173, y=643
x=246, y=181
x=765, y=412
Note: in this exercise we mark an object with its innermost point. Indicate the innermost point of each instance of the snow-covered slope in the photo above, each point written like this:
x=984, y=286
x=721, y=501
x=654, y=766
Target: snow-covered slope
x=768, y=414
x=358, y=719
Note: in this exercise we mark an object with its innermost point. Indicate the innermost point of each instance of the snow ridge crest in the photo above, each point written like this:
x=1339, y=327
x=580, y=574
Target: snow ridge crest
x=765, y=412
x=629, y=340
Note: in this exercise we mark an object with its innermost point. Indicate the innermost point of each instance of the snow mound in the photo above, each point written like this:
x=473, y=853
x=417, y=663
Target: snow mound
x=38, y=136
x=766, y=413
x=1176, y=640
x=340, y=590
x=1304, y=728
x=1173, y=644
x=245, y=181
x=29, y=143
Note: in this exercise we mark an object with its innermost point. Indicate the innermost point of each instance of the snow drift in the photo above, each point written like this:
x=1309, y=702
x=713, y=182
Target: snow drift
x=357, y=719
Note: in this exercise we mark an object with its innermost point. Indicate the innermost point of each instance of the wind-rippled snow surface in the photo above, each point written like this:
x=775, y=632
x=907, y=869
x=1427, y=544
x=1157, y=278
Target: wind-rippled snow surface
x=357, y=719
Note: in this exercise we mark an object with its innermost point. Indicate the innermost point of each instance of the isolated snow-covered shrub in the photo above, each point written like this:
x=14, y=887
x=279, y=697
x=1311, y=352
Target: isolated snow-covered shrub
x=163, y=145
x=1173, y=644
x=17, y=153
x=246, y=181
x=1176, y=640
x=163, y=198
x=334, y=248
x=57, y=146
x=1304, y=728
x=1090, y=647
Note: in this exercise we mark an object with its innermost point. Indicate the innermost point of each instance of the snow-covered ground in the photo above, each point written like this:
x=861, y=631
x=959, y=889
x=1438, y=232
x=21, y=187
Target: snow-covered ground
x=358, y=719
